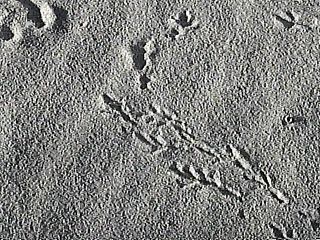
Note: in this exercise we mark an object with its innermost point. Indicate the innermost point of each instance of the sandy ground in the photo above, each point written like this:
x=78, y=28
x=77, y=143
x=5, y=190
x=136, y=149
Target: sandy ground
x=152, y=119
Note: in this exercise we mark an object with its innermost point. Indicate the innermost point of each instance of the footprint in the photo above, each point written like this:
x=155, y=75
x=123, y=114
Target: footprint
x=314, y=218
x=43, y=15
x=142, y=54
x=292, y=119
x=172, y=33
x=144, y=81
x=181, y=24
x=6, y=33
x=6, y=18
x=138, y=53
x=61, y=20
x=280, y=232
x=288, y=20
x=185, y=19
x=34, y=13
x=14, y=27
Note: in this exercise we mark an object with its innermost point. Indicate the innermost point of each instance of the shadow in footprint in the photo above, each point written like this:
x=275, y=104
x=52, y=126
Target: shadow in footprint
x=289, y=120
x=315, y=222
x=144, y=80
x=61, y=23
x=5, y=33
x=185, y=19
x=34, y=13
x=277, y=232
x=138, y=52
x=286, y=24
x=173, y=33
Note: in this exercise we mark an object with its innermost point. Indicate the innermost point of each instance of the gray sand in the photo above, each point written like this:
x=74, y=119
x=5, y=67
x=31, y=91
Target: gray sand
x=145, y=119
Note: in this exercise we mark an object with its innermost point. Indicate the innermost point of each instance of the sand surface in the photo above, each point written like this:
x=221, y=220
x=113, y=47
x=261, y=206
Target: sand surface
x=153, y=119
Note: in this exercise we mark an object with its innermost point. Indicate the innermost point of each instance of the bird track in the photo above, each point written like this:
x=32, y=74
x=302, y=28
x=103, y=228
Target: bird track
x=188, y=175
x=179, y=128
x=40, y=15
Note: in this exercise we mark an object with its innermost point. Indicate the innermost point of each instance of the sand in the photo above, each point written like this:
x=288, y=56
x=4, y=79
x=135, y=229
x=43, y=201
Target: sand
x=144, y=119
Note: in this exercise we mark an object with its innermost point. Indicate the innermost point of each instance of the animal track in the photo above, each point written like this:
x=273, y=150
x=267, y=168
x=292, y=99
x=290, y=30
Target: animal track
x=185, y=19
x=277, y=194
x=118, y=107
x=34, y=13
x=313, y=217
x=165, y=119
x=281, y=233
x=6, y=17
x=142, y=54
x=156, y=143
x=42, y=16
x=184, y=132
x=6, y=33
x=144, y=81
x=138, y=52
x=288, y=20
x=61, y=20
x=173, y=33
x=201, y=177
x=289, y=120
x=161, y=118
x=192, y=174
x=243, y=159
x=287, y=23
x=243, y=163
x=181, y=24
x=188, y=175
x=315, y=221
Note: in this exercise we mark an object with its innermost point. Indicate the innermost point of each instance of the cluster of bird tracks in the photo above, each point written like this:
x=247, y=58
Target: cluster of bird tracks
x=43, y=16
x=142, y=52
x=161, y=130
x=184, y=22
x=40, y=16
x=189, y=175
x=142, y=55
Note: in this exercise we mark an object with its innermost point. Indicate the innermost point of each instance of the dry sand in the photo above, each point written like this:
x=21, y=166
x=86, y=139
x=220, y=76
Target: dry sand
x=152, y=119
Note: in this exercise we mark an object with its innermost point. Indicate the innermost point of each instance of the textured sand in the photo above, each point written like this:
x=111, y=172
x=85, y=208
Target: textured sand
x=127, y=119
